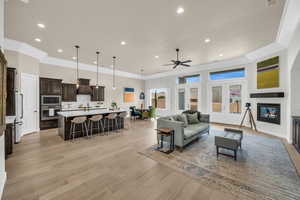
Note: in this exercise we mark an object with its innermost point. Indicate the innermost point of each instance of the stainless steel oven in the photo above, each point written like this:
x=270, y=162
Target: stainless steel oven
x=50, y=112
x=48, y=100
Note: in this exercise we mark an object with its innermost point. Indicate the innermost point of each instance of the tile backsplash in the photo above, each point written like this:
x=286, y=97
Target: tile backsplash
x=82, y=100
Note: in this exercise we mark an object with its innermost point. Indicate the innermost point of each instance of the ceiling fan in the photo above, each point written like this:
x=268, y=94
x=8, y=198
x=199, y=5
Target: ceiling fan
x=177, y=62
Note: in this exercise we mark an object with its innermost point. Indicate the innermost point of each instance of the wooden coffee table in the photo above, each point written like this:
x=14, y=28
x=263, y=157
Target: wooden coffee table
x=165, y=132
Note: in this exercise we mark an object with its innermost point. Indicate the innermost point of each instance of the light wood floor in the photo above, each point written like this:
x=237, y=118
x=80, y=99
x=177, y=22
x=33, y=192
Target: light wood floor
x=44, y=166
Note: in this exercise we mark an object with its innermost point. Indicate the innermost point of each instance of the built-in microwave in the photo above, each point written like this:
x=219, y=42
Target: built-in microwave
x=48, y=100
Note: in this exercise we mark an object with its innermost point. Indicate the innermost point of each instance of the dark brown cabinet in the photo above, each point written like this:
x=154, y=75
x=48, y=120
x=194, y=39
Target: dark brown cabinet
x=9, y=135
x=97, y=93
x=69, y=92
x=11, y=99
x=49, y=86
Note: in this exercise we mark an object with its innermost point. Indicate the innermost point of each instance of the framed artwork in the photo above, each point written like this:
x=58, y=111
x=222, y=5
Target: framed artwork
x=128, y=95
x=268, y=73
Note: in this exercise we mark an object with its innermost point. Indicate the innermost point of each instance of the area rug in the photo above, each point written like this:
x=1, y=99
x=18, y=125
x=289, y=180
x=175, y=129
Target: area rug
x=263, y=169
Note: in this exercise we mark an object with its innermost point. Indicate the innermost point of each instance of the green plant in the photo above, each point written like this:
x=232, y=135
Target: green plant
x=114, y=105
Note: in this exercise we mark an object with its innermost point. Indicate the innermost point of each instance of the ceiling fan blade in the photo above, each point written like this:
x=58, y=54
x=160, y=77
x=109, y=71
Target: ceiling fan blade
x=185, y=65
x=174, y=61
x=186, y=61
x=168, y=64
x=175, y=66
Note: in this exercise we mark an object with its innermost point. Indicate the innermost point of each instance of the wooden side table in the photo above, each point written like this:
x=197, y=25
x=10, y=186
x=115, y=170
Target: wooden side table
x=165, y=132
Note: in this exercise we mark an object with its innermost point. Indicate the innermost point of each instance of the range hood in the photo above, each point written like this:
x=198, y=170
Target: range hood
x=84, y=86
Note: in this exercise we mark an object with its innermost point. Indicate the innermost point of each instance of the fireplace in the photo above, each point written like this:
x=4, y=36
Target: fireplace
x=268, y=113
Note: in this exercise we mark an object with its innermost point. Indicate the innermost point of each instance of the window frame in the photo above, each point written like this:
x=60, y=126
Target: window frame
x=166, y=90
x=228, y=70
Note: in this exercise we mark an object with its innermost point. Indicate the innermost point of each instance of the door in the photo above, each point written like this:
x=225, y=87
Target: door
x=187, y=98
x=29, y=89
x=226, y=102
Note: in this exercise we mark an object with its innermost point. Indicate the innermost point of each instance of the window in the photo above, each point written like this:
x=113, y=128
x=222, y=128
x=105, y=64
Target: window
x=159, y=98
x=181, y=99
x=228, y=74
x=189, y=79
x=217, y=99
x=235, y=98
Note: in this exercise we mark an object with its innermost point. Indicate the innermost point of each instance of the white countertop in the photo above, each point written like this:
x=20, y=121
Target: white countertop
x=10, y=119
x=88, y=112
x=80, y=109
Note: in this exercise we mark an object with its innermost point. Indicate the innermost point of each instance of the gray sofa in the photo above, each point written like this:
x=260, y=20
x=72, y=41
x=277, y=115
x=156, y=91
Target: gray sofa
x=185, y=134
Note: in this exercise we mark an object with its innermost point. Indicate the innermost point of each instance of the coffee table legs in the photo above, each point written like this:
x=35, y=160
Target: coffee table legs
x=224, y=154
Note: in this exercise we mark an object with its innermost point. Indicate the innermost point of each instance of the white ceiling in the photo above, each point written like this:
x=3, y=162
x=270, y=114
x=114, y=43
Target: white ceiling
x=149, y=27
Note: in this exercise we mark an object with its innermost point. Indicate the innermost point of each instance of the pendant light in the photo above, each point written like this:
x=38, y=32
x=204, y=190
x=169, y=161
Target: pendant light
x=142, y=94
x=114, y=71
x=97, y=85
x=77, y=69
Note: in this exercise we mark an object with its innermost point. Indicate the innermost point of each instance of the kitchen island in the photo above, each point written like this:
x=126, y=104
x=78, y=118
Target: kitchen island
x=65, y=118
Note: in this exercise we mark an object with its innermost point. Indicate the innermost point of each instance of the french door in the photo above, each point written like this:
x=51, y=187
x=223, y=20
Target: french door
x=187, y=98
x=226, y=101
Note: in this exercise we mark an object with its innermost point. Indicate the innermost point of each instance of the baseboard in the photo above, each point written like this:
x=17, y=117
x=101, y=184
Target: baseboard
x=2, y=183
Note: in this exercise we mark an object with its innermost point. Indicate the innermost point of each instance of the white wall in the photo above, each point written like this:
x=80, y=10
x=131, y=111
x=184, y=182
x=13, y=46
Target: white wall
x=1, y=23
x=250, y=87
x=2, y=157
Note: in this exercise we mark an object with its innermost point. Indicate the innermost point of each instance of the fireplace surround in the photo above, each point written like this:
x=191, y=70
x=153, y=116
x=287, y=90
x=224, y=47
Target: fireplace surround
x=269, y=113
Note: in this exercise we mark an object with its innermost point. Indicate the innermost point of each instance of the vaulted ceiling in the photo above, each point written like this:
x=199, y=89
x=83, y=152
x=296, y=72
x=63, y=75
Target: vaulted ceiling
x=149, y=28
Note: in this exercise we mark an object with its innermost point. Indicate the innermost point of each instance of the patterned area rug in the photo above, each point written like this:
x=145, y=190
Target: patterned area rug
x=263, y=169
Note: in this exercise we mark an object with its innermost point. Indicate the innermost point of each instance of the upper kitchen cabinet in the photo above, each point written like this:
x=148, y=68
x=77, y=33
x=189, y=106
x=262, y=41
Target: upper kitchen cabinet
x=49, y=86
x=3, y=67
x=97, y=93
x=11, y=89
x=69, y=92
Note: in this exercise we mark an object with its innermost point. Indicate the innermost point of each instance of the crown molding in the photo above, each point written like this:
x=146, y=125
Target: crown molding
x=24, y=48
x=288, y=23
x=71, y=64
x=43, y=57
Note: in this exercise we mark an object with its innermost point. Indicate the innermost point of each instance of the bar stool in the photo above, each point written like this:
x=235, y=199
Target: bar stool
x=122, y=116
x=98, y=120
x=112, y=119
x=78, y=121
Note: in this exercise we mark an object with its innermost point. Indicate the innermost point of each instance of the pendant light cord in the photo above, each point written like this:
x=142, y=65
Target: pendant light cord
x=114, y=69
x=97, y=68
x=77, y=72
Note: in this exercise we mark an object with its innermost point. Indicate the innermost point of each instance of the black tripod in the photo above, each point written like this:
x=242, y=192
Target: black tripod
x=252, y=122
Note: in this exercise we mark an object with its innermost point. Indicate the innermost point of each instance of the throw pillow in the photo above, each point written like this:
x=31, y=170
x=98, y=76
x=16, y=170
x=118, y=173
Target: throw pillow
x=193, y=118
x=183, y=119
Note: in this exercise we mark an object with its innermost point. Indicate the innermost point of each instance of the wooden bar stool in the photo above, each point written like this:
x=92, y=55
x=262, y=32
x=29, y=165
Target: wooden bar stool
x=78, y=121
x=123, y=116
x=96, y=119
x=112, y=120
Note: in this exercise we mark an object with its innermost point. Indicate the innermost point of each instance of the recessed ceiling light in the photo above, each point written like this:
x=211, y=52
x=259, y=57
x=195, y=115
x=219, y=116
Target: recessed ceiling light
x=95, y=62
x=221, y=55
x=156, y=56
x=207, y=40
x=37, y=39
x=25, y=1
x=74, y=58
x=123, y=43
x=41, y=25
x=59, y=50
x=180, y=10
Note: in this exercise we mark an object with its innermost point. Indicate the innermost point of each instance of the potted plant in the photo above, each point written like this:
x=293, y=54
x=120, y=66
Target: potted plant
x=114, y=105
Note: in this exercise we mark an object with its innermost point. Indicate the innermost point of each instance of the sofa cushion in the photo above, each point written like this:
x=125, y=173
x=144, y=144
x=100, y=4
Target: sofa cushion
x=193, y=118
x=183, y=119
x=194, y=129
